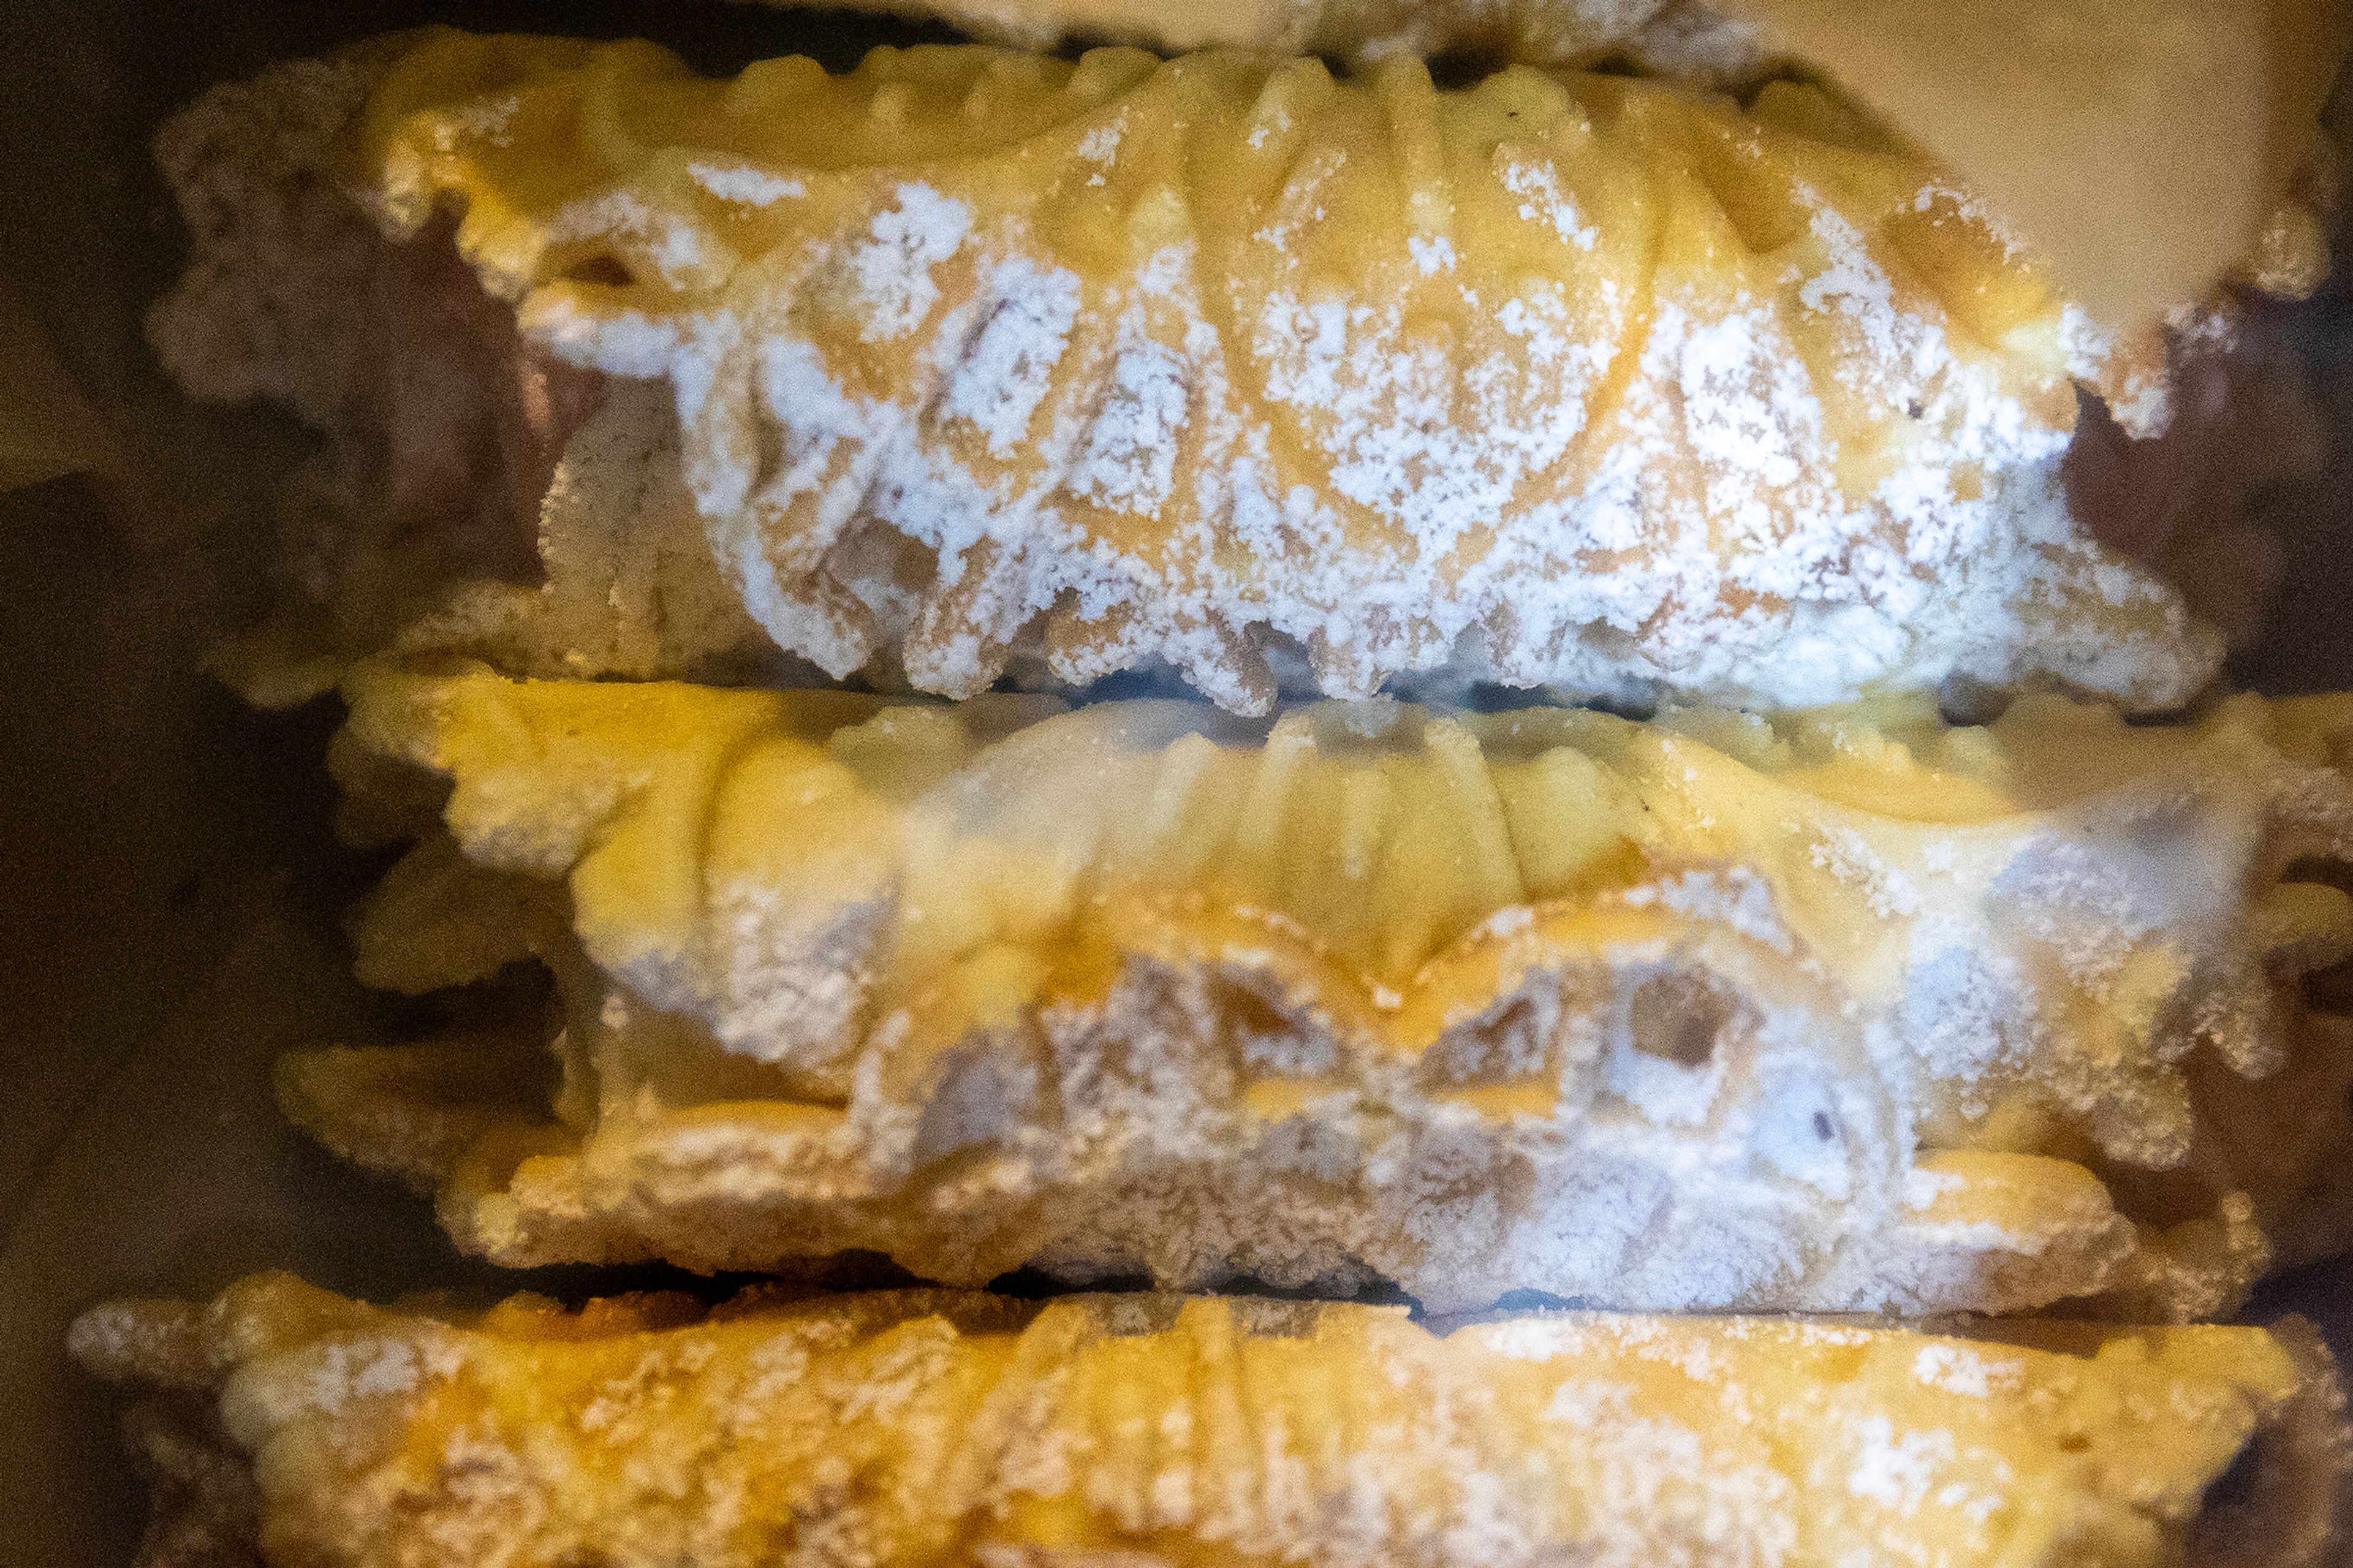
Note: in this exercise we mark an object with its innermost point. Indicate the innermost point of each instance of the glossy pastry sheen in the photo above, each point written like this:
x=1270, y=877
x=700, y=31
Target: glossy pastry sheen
x=927, y=1428
x=1849, y=1010
x=973, y=363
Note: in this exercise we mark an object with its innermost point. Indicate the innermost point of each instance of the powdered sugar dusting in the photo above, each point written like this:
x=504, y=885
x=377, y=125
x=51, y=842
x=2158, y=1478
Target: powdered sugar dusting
x=1545, y=202
x=1767, y=479
x=745, y=184
x=1333, y=977
x=1974, y=1371
x=1129, y=460
x=1000, y=382
x=1330, y=1436
x=893, y=268
x=1897, y=1470
x=1735, y=896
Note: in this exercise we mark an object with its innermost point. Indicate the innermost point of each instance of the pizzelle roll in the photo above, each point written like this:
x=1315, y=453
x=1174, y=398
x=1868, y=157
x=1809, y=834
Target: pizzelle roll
x=971, y=364
x=1845, y=1010
x=924, y=1428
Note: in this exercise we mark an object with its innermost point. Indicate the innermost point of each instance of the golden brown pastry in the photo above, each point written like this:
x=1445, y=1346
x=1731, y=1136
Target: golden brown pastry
x=1845, y=1010
x=973, y=363
x=2141, y=144
x=935, y=1428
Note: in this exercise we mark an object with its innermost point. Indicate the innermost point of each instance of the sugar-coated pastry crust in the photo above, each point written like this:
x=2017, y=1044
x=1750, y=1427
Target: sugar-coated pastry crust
x=970, y=362
x=925, y=1427
x=1846, y=1010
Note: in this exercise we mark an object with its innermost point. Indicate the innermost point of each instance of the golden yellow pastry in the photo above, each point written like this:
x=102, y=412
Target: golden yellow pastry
x=972, y=364
x=308, y=1431
x=1845, y=1010
x=2143, y=143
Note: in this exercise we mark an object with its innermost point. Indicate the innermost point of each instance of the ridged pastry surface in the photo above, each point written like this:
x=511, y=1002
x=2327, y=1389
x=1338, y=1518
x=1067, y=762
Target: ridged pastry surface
x=1847, y=1010
x=978, y=361
x=924, y=1428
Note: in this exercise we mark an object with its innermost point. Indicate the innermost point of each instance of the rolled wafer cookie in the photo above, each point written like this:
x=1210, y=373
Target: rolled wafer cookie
x=1849, y=1010
x=292, y=1428
x=973, y=365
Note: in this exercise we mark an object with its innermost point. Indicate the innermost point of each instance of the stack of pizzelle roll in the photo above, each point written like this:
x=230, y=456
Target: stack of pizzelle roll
x=1566, y=696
